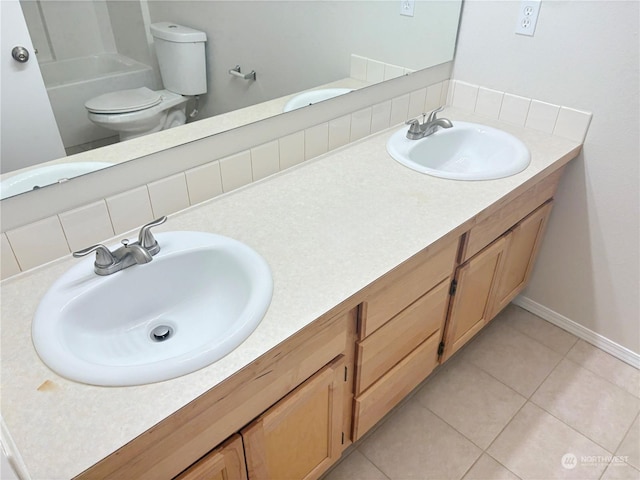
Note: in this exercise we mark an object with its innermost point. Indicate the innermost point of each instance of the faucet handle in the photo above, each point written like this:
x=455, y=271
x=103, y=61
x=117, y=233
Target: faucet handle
x=414, y=126
x=104, y=257
x=433, y=114
x=146, y=238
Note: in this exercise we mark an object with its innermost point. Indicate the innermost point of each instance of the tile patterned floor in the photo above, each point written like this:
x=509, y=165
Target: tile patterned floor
x=524, y=400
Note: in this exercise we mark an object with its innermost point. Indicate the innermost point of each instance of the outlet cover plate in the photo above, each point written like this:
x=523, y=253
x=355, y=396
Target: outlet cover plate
x=528, y=17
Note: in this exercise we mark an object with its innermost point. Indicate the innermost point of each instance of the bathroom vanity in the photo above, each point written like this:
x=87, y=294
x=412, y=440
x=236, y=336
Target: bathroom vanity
x=380, y=274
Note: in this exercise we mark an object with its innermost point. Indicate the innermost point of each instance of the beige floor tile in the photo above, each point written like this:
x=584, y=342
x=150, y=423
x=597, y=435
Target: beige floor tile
x=630, y=446
x=621, y=471
x=416, y=444
x=607, y=366
x=355, y=467
x=512, y=357
x=549, y=335
x=486, y=468
x=534, y=443
x=596, y=408
x=471, y=401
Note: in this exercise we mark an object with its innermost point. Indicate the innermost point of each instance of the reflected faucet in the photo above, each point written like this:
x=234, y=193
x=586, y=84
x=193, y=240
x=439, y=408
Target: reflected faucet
x=428, y=127
x=136, y=253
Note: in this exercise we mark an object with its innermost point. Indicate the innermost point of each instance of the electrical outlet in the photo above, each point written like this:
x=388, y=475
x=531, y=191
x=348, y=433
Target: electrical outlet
x=528, y=17
x=407, y=7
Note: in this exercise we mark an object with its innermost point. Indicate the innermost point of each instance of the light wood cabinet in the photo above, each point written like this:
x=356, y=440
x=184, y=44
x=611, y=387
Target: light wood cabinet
x=489, y=280
x=300, y=436
x=224, y=463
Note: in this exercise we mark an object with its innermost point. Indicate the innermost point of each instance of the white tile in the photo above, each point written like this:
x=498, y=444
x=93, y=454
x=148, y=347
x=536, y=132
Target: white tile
x=417, y=100
x=582, y=400
x=380, y=116
x=130, y=209
x=375, y=71
x=514, y=109
x=169, y=195
x=358, y=67
x=291, y=150
x=447, y=92
x=204, y=182
x=489, y=102
x=360, y=124
x=572, y=124
x=608, y=367
x=434, y=97
x=87, y=225
x=486, y=468
x=415, y=443
x=339, y=131
x=465, y=96
x=265, y=160
x=236, y=171
x=8, y=264
x=316, y=141
x=542, y=116
x=392, y=71
x=355, y=467
x=536, y=445
x=471, y=401
x=400, y=109
x=38, y=242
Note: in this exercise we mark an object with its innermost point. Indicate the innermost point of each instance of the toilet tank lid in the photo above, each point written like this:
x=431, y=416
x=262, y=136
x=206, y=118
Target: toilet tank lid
x=172, y=32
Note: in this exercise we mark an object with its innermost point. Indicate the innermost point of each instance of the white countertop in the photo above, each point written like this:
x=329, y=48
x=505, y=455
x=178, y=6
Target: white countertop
x=327, y=228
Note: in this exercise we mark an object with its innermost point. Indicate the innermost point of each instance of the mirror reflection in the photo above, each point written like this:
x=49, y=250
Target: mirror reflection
x=116, y=70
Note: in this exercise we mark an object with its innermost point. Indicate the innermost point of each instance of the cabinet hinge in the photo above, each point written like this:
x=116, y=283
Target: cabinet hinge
x=454, y=287
x=345, y=373
x=441, y=348
x=342, y=438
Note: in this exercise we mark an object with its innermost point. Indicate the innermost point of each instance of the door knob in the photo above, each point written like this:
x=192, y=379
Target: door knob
x=20, y=54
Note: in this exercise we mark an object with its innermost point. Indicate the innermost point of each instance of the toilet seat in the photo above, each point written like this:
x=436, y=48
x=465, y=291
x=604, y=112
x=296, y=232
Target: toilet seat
x=124, y=101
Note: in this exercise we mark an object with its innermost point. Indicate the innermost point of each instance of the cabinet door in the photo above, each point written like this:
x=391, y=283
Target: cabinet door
x=224, y=463
x=300, y=436
x=524, y=244
x=472, y=303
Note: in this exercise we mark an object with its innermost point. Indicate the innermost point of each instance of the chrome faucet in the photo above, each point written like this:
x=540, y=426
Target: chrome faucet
x=142, y=251
x=428, y=127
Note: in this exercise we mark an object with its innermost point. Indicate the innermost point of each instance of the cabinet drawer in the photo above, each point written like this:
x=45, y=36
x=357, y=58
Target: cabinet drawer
x=397, y=338
x=401, y=288
x=387, y=392
x=491, y=227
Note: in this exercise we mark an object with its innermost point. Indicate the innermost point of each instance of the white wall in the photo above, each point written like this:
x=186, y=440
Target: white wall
x=585, y=54
x=296, y=45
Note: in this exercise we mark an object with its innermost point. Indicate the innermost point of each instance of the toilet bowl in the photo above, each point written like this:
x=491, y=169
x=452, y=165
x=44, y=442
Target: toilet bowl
x=139, y=111
x=181, y=58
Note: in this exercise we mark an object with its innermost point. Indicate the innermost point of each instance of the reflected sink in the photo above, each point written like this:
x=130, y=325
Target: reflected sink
x=198, y=299
x=467, y=151
x=309, y=98
x=42, y=176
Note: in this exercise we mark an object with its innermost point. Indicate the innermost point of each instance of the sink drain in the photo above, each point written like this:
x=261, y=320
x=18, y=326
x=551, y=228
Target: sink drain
x=161, y=333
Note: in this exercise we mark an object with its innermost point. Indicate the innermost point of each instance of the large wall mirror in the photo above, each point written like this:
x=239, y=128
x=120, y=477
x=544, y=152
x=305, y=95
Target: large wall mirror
x=93, y=47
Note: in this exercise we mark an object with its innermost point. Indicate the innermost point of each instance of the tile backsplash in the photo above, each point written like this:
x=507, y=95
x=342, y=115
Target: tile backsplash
x=23, y=248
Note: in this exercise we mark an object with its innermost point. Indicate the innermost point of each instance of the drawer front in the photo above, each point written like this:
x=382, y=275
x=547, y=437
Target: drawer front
x=379, y=352
x=396, y=384
x=402, y=288
x=491, y=227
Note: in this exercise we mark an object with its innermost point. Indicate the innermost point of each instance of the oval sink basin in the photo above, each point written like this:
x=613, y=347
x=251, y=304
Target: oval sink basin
x=309, y=98
x=466, y=151
x=43, y=176
x=198, y=299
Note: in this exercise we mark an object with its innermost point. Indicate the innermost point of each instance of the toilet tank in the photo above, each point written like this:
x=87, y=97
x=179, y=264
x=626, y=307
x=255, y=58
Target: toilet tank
x=180, y=52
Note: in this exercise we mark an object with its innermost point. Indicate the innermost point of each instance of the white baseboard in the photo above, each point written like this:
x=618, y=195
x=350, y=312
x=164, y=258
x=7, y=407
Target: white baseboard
x=579, y=331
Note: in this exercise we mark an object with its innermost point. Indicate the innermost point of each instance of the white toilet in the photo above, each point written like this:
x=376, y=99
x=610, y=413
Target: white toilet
x=139, y=111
